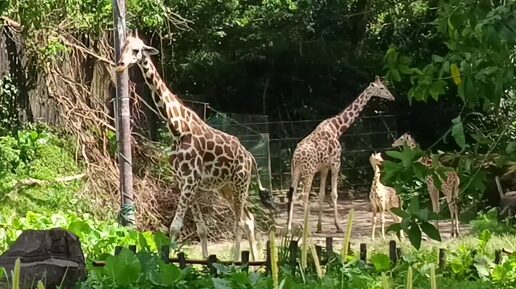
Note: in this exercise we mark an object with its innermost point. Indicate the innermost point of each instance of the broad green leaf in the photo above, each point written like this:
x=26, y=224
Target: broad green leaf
x=414, y=235
x=381, y=262
x=481, y=270
x=221, y=283
x=455, y=72
x=395, y=154
x=430, y=231
x=395, y=227
x=458, y=133
x=169, y=274
x=124, y=268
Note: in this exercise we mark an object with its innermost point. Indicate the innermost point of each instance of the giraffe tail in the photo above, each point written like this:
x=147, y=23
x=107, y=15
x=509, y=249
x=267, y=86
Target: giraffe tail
x=264, y=194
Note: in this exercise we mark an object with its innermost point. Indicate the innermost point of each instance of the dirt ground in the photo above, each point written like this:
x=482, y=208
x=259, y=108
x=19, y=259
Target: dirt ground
x=361, y=231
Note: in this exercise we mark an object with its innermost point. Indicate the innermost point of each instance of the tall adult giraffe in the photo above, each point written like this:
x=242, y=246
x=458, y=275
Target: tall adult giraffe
x=450, y=186
x=320, y=151
x=204, y=158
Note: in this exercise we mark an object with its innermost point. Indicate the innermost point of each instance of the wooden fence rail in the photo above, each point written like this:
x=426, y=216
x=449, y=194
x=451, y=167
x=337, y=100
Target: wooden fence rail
x=293, y=249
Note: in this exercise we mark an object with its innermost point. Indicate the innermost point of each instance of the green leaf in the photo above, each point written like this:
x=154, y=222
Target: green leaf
x=169, y=274
x=395, y=74
x=395, y=227
x=124, y=268
x=403, y=68
x=455, y=72
x=381, y=262
x=511, y=148
x=395, y=154
x=481, y=270
x=221, y=283
x=414, y=235
x=430, y=231
x=458, y=133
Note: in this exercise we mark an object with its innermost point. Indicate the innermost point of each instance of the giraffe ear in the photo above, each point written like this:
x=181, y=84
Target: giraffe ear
x=150, y=50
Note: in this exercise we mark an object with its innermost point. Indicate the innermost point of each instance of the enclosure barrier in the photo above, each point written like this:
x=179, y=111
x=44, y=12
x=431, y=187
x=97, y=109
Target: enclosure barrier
x=395, y=255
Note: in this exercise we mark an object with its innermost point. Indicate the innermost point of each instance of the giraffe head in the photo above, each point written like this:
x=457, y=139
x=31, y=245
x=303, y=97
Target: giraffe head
x=133, y=51
x=406, y=138
x=376, y=159
x=378, y=88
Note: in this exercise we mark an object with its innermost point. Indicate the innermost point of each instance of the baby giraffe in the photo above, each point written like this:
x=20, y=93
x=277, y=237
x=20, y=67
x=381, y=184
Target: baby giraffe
x=383, y=198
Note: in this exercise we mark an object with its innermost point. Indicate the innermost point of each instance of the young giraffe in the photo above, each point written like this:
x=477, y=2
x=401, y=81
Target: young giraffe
x=204, y=159
x=321, y=151
x=383, y=198
x=450, y=187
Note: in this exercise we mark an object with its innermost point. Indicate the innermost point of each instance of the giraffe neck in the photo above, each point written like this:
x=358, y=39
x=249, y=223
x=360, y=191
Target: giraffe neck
x=180, y=119
x=377, y=175
x=343, y=120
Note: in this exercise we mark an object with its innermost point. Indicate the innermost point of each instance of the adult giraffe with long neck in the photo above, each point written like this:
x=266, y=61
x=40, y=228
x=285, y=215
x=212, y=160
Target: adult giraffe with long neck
x=321, y=150
x=204, y=158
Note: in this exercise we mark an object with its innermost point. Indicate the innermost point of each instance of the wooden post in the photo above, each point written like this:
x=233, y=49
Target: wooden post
x=118, y=249
x=392, y=251
x=123, y=123
x=498, y=257
x=363, y=252
x=293, y=249
x=329, y=247
x=244, y=255
x=165, y=252
x=181, y=259
x=132, y=248
x=268, y=267
x=212, y=259
x=442, y=258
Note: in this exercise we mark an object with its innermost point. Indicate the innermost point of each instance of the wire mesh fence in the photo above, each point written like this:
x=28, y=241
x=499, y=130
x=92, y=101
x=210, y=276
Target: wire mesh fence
x=367, y=135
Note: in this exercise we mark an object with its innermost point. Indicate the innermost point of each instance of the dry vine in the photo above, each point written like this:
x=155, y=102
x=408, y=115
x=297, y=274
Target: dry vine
x=83, y=99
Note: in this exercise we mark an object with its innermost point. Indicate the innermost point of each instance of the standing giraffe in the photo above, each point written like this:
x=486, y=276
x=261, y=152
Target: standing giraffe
x=450, y=187
x=204, y=158
x=321, y=151
x=382, y=197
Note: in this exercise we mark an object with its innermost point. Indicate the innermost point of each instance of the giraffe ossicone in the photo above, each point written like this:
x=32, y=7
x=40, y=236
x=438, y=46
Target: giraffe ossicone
x=320, y=151
x=203, y=159
x=450, y=187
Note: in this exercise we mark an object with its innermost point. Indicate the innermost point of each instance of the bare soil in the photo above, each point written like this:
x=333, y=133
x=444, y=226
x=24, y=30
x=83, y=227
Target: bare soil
x=361, y=231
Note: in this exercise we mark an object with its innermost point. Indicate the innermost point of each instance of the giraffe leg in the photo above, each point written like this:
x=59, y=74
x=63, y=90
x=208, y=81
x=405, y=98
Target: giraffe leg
x=184, y=202
x=434, y=198
x=306, y=194
x=291, y=196
x=335, y=169
x=202, y=230
x=373, y=210
x=249, y=228
x=382, y=219
x=324, y=176
x=451, y=188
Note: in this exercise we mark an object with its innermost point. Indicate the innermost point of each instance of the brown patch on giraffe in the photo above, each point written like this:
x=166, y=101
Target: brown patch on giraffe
x=209, y=157
x=210, y=145
x=185, y=168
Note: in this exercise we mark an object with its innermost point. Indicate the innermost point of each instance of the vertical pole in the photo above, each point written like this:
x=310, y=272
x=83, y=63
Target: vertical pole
x=122, y=117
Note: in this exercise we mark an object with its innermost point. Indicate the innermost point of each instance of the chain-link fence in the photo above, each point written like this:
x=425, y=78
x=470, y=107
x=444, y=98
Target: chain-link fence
x=367, y=135
x=273, y=143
